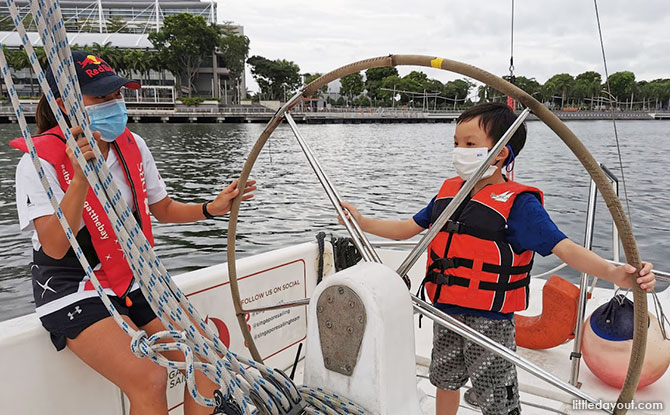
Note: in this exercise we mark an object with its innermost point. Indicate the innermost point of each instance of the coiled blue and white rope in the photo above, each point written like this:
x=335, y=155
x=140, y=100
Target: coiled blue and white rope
x=186, y=331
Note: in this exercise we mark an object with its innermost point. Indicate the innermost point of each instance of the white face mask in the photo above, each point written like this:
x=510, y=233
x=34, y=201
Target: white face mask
x=467, y=160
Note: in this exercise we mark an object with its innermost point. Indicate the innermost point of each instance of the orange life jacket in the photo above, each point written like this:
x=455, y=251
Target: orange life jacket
x=470, y=263
x=114, y=271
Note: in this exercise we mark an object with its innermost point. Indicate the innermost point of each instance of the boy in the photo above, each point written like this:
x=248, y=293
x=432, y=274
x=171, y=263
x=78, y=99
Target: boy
x=479, y=264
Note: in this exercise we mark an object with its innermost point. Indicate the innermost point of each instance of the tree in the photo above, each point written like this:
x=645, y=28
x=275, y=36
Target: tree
x=276, y=78
x=352, y=85
x=587, y=84
x=460, y=88
x=386, y=87
x=110, y=54
x=559, y=84
x=234, y=49
x=622, y=84
x=373, y=79
x=312, y=77
x=487, y=93
x=528, y=85
x=183, y=42
x=658, y=91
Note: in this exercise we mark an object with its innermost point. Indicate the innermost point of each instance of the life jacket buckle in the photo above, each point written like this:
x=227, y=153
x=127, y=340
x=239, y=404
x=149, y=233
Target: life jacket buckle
x=454, y=226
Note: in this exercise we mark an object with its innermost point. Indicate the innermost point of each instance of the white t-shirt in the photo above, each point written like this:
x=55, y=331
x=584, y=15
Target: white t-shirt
x=32, y=201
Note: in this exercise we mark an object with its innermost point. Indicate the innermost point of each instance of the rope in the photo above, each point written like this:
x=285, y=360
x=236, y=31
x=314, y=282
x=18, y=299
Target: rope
x=320, y=239
x=261, y=390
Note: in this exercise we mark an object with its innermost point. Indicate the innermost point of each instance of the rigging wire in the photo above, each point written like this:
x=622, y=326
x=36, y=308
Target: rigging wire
x=512, y=79
x=511, y=47
x=609, y=93
x=662, y=317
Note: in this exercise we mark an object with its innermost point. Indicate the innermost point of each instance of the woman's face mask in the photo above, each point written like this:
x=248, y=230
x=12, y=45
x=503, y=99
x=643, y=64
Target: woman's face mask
x=109, y=117
x=466, y=160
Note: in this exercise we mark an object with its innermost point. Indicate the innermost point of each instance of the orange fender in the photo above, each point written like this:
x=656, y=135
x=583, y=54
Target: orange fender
x=556, y=324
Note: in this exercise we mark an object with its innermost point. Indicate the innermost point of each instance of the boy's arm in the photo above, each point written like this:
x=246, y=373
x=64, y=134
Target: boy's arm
x=391, y=229
x=583, y=260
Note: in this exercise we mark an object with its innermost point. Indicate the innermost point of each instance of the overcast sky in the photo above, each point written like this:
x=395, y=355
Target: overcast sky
x=550, y=36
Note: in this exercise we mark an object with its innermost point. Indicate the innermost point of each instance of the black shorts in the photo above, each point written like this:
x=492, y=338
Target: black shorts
x=69, y=321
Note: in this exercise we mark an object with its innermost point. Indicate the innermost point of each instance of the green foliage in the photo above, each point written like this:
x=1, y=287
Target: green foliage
x=529, y=85
x=116, y=24
x=587, y=85
x=312, y=77
x=622, y=84
x=362, y=101
x=235, y=50
x=6, y=24
x=278, y=79
x=191, y=101
x=657, y=91
x=182, y=43
x=352, y=85
x=373, y=79
x=459, y=89
x=87, y=25
x=559, y=84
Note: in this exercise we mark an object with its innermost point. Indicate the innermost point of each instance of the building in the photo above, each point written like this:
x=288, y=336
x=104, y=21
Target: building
x=125, y=25
x=103, y=16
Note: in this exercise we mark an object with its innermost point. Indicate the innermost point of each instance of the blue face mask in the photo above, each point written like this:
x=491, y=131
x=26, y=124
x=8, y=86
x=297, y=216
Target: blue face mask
x=109, y=117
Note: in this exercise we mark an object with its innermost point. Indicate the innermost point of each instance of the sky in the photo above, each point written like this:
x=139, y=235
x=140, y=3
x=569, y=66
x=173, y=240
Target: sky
x=550, y=36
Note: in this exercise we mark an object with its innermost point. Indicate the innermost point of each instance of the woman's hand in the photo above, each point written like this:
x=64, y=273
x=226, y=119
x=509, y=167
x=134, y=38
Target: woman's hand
x=621, y=276
x=86, y=151
x=223, y=201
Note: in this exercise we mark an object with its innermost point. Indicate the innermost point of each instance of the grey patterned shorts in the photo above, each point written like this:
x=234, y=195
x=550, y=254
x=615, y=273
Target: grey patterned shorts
x=455, y=359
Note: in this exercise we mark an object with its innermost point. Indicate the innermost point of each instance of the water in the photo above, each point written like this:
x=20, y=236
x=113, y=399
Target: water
x=388, y=171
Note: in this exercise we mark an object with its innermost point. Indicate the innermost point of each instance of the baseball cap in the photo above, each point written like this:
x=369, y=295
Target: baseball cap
x=96, y=77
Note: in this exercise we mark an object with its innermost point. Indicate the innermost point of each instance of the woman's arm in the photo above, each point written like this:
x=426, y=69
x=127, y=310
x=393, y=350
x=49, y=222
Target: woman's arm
x=49, y=231
x=583, y=260
x=391, y=229
x=171, y=211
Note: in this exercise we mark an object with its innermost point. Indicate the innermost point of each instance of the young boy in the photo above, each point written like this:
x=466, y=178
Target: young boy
x=479, y=264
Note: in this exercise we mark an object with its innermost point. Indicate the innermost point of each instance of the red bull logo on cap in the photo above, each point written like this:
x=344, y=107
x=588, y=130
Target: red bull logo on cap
x=94, y=60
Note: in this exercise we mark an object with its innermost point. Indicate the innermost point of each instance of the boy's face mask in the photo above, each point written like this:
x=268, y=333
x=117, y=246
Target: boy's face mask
x=467, y=159
x=109, y=117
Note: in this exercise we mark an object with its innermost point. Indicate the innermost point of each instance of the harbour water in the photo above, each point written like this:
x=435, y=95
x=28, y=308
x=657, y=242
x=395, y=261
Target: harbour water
x=387, y=170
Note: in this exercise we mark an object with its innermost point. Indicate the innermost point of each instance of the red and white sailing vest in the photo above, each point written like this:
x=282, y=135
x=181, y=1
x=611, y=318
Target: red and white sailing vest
x=114, y=272
x=470, y=264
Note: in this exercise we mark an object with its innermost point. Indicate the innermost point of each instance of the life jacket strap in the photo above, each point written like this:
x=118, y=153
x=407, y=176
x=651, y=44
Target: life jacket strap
x=440, y=265
x=453, y=226
x=449, y=280
x=504, y=286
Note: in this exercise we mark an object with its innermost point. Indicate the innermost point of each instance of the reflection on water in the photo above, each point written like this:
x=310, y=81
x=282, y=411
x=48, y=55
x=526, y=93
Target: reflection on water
x=389, y=171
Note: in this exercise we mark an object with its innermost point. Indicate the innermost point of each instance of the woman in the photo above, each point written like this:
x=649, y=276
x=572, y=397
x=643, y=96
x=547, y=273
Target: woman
x=66, y=303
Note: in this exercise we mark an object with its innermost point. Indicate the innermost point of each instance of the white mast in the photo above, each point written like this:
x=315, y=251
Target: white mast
x=100, y=18
x=158, y=21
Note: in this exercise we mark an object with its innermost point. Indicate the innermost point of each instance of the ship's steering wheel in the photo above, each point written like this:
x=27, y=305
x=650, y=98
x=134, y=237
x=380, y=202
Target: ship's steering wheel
x=568, y=137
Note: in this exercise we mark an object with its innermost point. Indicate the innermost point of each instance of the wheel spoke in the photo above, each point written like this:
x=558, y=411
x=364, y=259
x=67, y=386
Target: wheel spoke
x=358, y=236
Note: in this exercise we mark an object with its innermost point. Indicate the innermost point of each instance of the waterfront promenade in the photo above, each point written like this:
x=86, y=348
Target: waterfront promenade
x=260, y=114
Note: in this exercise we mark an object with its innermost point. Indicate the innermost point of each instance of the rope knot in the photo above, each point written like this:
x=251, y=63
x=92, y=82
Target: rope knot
x=140, y=345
